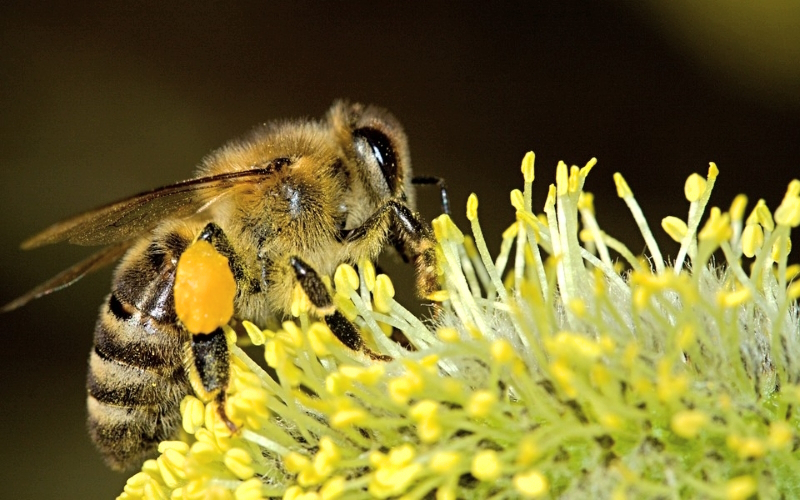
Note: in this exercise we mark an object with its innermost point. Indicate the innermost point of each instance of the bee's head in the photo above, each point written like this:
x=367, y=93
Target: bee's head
x=374, y=142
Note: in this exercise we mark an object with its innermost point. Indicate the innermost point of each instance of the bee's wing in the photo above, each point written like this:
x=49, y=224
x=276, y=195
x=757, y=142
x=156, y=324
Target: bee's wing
x=118, y=224
x=69, y=276
x=130, y=217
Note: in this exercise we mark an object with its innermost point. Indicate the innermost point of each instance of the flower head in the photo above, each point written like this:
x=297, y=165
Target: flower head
x=548, y=370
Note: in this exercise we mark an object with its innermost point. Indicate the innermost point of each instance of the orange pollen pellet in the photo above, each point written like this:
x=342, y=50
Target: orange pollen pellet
x=204, y=288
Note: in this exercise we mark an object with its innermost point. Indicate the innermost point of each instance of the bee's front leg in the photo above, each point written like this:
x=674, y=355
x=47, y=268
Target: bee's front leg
x=317, y=293
x=413, y=239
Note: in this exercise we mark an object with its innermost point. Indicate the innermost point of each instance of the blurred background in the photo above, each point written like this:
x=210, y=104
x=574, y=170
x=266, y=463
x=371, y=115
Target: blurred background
x=99, y=100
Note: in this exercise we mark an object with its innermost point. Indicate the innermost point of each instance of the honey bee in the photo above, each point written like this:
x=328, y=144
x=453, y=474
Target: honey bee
x=285, y=205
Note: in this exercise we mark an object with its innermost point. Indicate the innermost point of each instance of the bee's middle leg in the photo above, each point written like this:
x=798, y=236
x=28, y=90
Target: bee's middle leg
x=412, y=238
x=317, y=293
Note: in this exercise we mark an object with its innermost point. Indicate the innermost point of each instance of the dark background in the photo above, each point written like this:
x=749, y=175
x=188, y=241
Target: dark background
x=102, y=101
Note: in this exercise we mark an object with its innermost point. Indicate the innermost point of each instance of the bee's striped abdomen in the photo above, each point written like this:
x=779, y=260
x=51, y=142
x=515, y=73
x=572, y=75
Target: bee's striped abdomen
x=136, y=377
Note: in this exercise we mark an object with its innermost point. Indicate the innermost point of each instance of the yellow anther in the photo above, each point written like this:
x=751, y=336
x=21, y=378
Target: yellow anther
x=371, y=375
x=734, y=298
x=192, y=414
x=295, y=334
x=346, y=278
x=611, y=421
x=713, y=171
x=623, y=190
x=528, y=451
x=383, y=294
x=574, y=179
x=327, y=458
x=445, y=229
x=686, y=337
x=275, y=353
x=780, y=435
x=368, y=271
x=448, y=334
x=401, y=455
x=430, y=362
x=588, y=167
x=390, y=482
x=337, y=384
x=777, y=247
x=752, y=239
x=293, y=493
x=527, y=166
x=502, y=351
x=740, y=488
x=333, y=488
x=438, y=296
x=429, y=430
x=568, y=344
x=694, y=187
x=562, y=179
x=424, y=409
x=179, y=446
x=319, y=338
x=793, y=290
x=578, y=307
x=764, y=216
x=511, y=231
x=176, y=460
x=600, y=375
x=240, y=463
x=792, y=272
x=674, y=227
x=257, y=336
x=205, y=453
x=472, y=207
x=586, y=201
x=444, y=462
x=346, y=418
x=717, y=228
x=486, y=465
x=564, y=375
x=738, y=207
x=748, y=447
x=446, y=492
x=517, y=200
x=401, y=389
x=481, y=403
x=586, y=235
x=531, y=484
x=300, y=301
x=551, y=198
x=788, y=213
x=345, y=306
x=793, y=190
x=688, y=423
x=249, y=490
x=150, y=467
x=169, y=474
x=295, y=462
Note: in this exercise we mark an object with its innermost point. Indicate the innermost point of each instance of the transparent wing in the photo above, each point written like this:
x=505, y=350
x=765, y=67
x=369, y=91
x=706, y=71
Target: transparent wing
x=65, y=278
x=128, y=218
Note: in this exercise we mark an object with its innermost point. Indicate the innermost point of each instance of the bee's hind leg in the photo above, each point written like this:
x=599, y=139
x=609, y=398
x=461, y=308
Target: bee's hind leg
x=208, y=366
x=318, y=294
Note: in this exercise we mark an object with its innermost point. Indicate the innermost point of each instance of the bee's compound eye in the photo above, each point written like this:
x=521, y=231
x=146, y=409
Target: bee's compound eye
x=376, y=149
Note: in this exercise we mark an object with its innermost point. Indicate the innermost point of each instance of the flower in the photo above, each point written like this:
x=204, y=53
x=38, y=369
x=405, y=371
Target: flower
x=550, y=370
